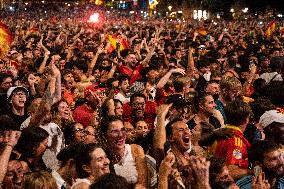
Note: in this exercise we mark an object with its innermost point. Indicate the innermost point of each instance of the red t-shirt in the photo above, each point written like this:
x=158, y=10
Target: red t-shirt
x=233, y=150
x=134, y=75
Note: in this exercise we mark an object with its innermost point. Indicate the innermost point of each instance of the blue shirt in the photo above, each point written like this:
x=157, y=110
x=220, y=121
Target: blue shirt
x=245, y=182
x=220, y=106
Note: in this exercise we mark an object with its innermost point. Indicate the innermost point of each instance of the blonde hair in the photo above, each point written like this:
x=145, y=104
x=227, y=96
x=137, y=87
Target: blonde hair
x=39, y=180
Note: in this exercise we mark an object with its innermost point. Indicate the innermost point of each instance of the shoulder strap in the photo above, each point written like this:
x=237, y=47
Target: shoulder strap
x=273, y=77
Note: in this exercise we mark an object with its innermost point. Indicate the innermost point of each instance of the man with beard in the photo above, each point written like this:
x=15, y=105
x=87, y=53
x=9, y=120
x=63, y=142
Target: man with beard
x=272, y=123
x=139, y=109
x=17, y=98
x=69, y=86
x=266, y=157
x=123, y=86
x=133, y=67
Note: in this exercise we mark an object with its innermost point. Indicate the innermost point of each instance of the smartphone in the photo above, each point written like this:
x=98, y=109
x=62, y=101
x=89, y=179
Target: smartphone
x=257, y=170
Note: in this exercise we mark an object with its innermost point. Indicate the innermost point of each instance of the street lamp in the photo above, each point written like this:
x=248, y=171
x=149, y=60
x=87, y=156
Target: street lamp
x=170, y=8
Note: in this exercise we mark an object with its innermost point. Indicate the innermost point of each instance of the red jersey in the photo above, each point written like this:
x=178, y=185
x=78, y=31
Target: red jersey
x=233, y=150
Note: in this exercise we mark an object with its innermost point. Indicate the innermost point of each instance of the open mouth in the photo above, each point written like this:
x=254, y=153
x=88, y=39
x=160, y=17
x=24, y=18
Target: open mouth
x=120, y=141
x=186, y=139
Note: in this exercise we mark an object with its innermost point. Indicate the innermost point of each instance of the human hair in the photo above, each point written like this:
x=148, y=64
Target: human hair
x=111, y=181
x=84, y=157
x=30, y=139
x=259, y=106
x=107, y=121
x=228, y=83
x=54, y=108
x=237, y=112
x=7, y=123
x=222, y=184
x=179, y=84
x=200, y=100
x=69, y=133
x=272, y=130
x=70, y=152
x=66, y=72
x=259, y=149
x=122, y=78
x=216, y=166
x=275, y=92
x=169, y=126
x=3, y=76
x=104, y=107
x=137, y=95
x=39, y=180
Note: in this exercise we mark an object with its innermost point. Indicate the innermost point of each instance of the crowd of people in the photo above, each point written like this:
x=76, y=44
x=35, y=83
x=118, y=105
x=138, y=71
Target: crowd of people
x=171, y=104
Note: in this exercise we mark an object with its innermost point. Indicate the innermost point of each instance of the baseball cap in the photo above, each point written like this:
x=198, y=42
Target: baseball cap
x=269, y=117
x=16, y=88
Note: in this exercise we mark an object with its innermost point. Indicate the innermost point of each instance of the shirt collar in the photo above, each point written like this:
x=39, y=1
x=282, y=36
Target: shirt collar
x=233, y=127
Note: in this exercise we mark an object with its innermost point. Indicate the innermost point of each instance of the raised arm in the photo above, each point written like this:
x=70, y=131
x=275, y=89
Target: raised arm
x=141, y=166
x=46, y=56
x=163, y=81
x=160, y=132
x=12, y=139
x=94, y=60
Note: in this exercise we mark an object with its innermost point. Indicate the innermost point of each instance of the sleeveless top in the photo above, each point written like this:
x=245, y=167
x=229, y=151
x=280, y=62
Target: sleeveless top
x=127, y=166
x=79, y=181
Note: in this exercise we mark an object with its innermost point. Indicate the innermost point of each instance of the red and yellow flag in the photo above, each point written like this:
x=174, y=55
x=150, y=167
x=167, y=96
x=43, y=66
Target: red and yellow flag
x=270, y=28
x=6, y=39
x=113, y=40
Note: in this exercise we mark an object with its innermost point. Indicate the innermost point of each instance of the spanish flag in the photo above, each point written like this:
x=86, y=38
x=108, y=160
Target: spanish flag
x=113, y=40
x=270, y=28
x=201, y=31
x=6, y=39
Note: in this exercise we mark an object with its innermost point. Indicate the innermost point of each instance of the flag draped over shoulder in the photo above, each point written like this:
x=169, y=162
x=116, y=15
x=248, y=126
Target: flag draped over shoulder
x=114, y=40
x=6, y=39
x=270, y=28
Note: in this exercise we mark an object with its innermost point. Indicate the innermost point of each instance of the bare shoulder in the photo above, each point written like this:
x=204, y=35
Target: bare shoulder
x=81, y=186
x=137, y=150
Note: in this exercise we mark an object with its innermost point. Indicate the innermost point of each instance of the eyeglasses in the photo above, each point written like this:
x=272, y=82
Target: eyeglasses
x=118, y=132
